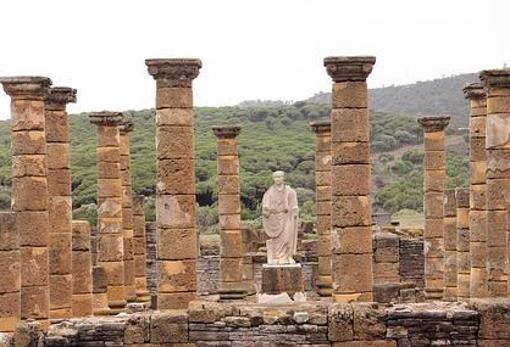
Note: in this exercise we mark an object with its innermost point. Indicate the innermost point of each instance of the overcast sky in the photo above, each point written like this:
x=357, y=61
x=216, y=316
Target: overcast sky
x=260, y=49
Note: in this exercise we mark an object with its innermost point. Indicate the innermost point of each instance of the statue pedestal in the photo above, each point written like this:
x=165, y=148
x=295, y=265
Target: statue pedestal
x=282, y=283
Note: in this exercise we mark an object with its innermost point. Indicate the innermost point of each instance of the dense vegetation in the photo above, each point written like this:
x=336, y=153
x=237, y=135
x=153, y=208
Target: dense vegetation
x=275, y=135
x=442, y=95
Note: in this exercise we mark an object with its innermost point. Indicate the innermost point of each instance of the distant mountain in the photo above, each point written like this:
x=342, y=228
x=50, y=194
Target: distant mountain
x=438, y=96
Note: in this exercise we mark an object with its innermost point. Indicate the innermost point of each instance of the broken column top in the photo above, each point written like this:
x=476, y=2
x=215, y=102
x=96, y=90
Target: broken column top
x=26, y=87
x=321, y=126
x=432, y=124
x=126, y=126
x=499, y=78
x=462, y=197
x=58, y=97
x=174, y=72
x=474, y=91
x=106, y=118
x=226, y=131
x=450, y=205
x=344, y=69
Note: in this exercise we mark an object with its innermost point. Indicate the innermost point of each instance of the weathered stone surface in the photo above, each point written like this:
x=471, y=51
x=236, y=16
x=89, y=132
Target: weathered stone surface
x=176, y=244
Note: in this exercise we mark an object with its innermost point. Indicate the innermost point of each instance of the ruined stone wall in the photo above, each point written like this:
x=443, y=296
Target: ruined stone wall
x=484, y=323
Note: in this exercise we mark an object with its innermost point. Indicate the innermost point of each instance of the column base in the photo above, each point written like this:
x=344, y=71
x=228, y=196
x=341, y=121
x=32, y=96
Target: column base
x=61, y=313
x=130, y=293
x=434, y=294
x=282, y=278
x=233, y=291
x=100, y=307
x=325, y=285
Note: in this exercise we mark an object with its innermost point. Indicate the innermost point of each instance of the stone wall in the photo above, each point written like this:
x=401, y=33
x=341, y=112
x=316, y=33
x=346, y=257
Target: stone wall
x=207, y=324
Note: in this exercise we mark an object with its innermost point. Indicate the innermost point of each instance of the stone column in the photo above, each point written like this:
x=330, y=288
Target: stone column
x=351, y=204
x=322, y=130
x=139, y=245
x=434, y=178
x=29, y=191
x=477, y=97
x=127, y=210
x=10, y=285
x=109, y=239
x=100, y=291
x=60, y=201
x=177, y=239
x=82, y=302
x=463, y=261
x=497, y=83
x=450, y=246
x=229, y=204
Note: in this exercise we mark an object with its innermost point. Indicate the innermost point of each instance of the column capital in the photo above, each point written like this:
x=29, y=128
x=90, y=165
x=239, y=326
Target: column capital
x=433, y=124
x=498, y=78
x=226, y=131
x=26, y=87
x=106, y=118
x=126, y=127
x=321, y=126
x=58, y=97
x=174, y=72
x=344, y=69
x=474, y=91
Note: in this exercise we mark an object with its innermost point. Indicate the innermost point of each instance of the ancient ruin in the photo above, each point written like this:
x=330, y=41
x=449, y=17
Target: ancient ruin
x=346, y=281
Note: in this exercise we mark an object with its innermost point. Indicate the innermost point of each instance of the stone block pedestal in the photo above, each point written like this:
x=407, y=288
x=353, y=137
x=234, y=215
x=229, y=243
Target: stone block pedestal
x=282, y=280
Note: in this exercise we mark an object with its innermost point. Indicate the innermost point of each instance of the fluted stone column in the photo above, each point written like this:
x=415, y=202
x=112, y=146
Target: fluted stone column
x=109, y=239
x=450, y=246
x=350, y=182
x=497, y=83
x=127, y=210
x=463, y=261
x=29, y=192
x=177, y=239
x=229, y=205
x=322, y=130
x=434, y=178
x=10, y=285
x=82, y=301
x=139, y=245
x=477, y=97
x=60, y=201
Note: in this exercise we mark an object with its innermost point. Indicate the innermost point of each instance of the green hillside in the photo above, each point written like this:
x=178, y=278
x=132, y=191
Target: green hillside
x=273, y=137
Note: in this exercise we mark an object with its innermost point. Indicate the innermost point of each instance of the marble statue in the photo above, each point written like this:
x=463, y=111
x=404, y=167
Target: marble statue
x=280, y=213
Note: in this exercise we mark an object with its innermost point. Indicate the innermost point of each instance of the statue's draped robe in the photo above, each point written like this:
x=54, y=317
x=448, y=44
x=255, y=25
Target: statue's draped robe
x=280, y=220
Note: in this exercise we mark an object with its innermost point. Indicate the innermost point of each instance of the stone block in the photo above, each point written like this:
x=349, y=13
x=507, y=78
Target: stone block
x=109, y=188
x=10, y=311
x=277, y=279
x=496, y=228
x=59, y=182
x=323, y=208
x=323, y=193
x=478, y=283
x=386, y=254
x=351, y=240
x=81, y=305
x=228, y=185
x=10, y=268
x=174, y=98
x=231, y=243
x=82, y=276
x=477, y=172
x=352, y=273
x=477, y=197
x=35, y=302
x=60, y=213
x=175, y=142
x=114, y=272
x=228, y=165
x=378, y=343
x=175, y=211
x=9, y=240
x=60, y=291
x=29, y=165
x=28, y=142
x=351, y=211
x=227, y=146
x=176, y=276
x=139, y=265
x=351, y=179
x=175, y=177
x=498, y=104
x=230, y=221
x=108, y=136
x=434, y=268
x=108, y=170
x=110, y=208
x=434, y=181
x=386, y=273
x=434, y=160
x=80, y=235
x=108, y=155
x=322, y=162
x=369, y=321
x=350, y=125
x=32, y=228
x=350, y=153
x=34, y=270
x=110, y=247
x=434, y=141
x=174, y=116
x=60, y=254
x=29, y=194
x=340, y=323
x=116, y=295
x=498, y=164
x=231, y=269
x=176, y=244
x=477, y=149
x=478, y=253
x=228, y=204
x=350, y=95
x=324, y=246
x=58, y=155
x=27, y=115
x=57, y=126
x=434, y=228
x=496, y=264
x=496, y=189
x=178, y=300
x=433, y=205
x=323, y=178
